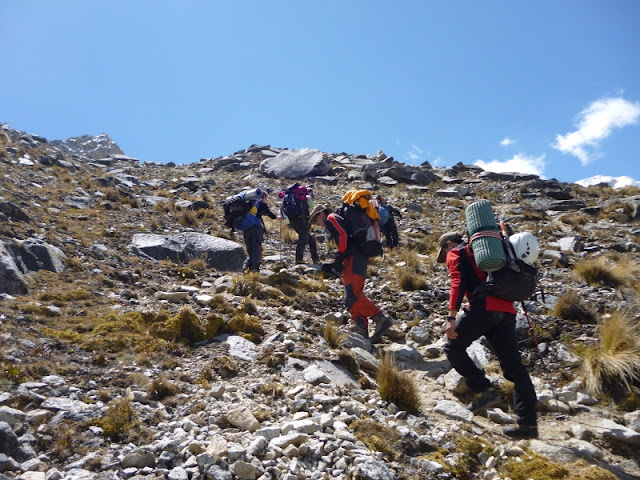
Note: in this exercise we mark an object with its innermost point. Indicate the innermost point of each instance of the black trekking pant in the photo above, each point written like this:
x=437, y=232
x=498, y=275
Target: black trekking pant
x=390, y=231
x=303, y=229
x=499, y=328
x=253, y=242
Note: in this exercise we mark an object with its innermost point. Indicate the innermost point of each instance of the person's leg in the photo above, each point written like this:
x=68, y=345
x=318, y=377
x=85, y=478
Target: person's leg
x=387, y=233
x=504, y=342
x=470, y=326
x=353, y=276
x=253, y=240
x=313, y=247
x=247, y=243
x=303, y=239
x=393, y=232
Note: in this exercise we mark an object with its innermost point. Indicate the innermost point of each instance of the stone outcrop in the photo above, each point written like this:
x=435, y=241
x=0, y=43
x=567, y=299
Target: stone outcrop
x=219, y=253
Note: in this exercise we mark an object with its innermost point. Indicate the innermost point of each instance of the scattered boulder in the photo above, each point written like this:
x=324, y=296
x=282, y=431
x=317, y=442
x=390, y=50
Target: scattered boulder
x=296, y=164
x=219, y=253
x=13, y=212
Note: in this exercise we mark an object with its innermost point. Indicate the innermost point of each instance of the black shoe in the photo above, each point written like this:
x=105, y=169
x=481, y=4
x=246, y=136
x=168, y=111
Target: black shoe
x=383, y=323
x=485, y=399
x=521, y=431
x=361, y=327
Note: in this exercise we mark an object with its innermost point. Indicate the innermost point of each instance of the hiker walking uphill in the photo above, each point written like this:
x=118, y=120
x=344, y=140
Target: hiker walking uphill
x=295, y=206
x=387, y=223
x=244, y=212
x=353, y=227
x=494, y=318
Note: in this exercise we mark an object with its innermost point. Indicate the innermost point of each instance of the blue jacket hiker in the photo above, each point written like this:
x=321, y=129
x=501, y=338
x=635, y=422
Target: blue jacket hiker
x=251, y=225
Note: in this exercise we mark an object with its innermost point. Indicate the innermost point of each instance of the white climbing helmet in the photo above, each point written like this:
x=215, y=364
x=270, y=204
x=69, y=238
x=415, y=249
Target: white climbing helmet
x=526, y=247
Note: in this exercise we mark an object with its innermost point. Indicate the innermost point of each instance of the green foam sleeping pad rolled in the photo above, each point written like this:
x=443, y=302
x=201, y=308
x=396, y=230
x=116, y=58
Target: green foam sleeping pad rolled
x=488, y=251
x=480, y=218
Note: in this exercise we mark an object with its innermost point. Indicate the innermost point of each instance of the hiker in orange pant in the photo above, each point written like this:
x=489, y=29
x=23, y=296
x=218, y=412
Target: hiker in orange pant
x=352, y=264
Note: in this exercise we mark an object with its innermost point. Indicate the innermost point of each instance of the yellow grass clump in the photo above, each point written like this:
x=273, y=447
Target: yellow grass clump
x=397, y=386
x=612, y=366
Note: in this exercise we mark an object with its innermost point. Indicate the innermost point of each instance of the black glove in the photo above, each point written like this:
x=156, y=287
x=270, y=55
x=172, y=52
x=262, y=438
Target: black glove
x=329, y=268
x=334, y=268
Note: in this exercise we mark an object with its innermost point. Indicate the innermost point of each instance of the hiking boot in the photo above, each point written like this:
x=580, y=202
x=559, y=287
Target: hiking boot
x=485, y=399
x=521, y=431
x=383, y=323
x=361, y=327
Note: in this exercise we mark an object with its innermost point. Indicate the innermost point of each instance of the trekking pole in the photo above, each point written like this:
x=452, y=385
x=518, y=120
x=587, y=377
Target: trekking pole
x=559, y=416
x=280, y=249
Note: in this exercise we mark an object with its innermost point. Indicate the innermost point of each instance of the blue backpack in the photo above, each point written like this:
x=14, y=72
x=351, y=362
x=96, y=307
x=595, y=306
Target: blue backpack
x=384, y=215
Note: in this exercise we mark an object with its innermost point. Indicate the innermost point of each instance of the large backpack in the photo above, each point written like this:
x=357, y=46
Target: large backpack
x=236, y=207
x=516, y=281
x=363, y=231
x=294, y=201
x=384, y=215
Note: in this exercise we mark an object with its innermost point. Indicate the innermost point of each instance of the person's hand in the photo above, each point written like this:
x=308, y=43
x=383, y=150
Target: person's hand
x=331, y=268
x=450, y=329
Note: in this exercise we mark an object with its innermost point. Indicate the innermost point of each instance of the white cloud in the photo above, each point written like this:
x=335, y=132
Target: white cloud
x=414, y=154
x=520, y=163
x=507, y=141
x=615, y=182
x=596, y=123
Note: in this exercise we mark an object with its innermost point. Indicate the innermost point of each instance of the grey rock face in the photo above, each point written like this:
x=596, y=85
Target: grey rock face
x=11, y=279
x=13, y=212
x=300, y=163
x=220, y=254
x=96, y=147
x=8, y=440
x=33, y=255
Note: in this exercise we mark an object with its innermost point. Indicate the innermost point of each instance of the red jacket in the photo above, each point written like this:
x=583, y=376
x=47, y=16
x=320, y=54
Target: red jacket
x=465, y=277
x=337, y=229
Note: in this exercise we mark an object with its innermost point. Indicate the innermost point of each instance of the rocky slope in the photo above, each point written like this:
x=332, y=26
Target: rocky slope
x=131, y=347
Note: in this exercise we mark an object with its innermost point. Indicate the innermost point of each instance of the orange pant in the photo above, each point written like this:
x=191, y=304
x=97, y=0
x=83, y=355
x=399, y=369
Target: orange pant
x=353, y=277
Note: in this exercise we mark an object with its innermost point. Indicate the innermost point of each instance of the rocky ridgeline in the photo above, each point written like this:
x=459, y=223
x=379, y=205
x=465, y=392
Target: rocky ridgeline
x=288, y=405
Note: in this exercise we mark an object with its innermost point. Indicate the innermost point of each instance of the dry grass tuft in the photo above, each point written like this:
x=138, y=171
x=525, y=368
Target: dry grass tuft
x=598, y=272
x=396, y=386
x=572, y=307
x=271, y=389
x=537, y=466
x=377, y=437
x=161, y=388
x=334, y=337
x=613, y=365
x=410, y=282
x=188, y=218
x=119, y=418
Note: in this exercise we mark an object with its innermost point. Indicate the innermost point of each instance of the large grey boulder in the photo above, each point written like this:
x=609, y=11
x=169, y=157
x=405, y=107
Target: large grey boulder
x=297, y=164
x=11, y=279
x=219, y=253
x=14, y=212
x=33, y=255
x=24, y=257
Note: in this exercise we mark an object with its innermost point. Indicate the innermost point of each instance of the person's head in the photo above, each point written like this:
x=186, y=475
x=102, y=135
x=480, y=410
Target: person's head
x=318, y=215
x=446, y=242
x=381, y=199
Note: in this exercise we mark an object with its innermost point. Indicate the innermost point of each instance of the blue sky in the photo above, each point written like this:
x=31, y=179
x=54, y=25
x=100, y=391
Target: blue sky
x=548, y=87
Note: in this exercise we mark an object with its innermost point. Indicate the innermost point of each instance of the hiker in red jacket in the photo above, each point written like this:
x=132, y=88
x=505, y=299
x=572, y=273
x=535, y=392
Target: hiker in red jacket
x=351, y=264
x=494, y=318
